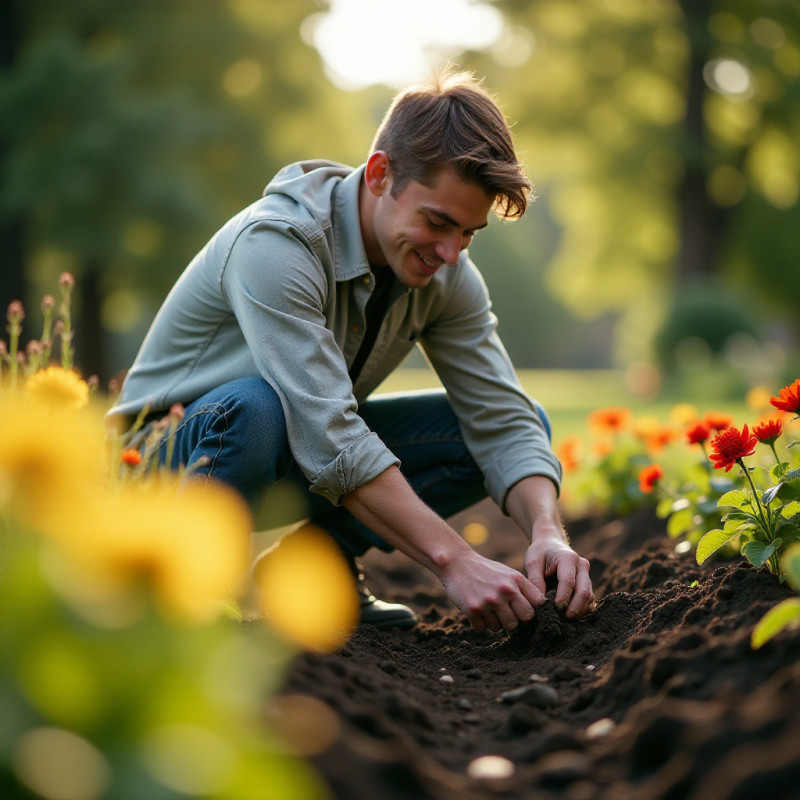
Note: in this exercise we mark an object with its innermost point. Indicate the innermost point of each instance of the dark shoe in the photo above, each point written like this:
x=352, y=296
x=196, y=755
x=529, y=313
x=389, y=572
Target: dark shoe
x=384, y=615
x=379, y=613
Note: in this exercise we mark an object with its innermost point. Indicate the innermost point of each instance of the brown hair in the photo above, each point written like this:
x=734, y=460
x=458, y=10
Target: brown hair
x=453, y=121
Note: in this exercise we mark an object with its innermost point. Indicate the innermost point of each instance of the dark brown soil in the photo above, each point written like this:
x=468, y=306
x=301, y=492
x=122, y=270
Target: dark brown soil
x=695, y=713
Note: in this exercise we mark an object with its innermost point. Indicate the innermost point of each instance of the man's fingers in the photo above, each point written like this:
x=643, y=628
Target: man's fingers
x=567, y=580
x=582, y=597
x=533, y=593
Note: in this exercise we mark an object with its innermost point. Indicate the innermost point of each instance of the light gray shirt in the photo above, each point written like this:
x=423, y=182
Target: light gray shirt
x=280, y=292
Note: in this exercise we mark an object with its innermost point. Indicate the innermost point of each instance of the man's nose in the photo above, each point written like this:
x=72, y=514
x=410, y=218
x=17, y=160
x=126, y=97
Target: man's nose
x=449, y=247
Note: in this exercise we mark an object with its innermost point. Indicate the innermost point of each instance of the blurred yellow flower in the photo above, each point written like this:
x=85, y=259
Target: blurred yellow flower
x=57, y=388
x=475, y=533
x=682, y=414
x=757, y=399
x=307, y=590
x=50, y=460
x=187, y=546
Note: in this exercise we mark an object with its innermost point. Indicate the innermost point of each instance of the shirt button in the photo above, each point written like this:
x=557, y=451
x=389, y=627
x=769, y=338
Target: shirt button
x=367, y=281
x=356, y=328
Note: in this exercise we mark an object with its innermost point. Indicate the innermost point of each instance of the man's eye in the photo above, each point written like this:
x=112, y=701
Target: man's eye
x=435, y=224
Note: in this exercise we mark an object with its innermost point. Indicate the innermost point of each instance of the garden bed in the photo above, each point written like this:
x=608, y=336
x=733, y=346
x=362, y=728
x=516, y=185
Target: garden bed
x=656, y=694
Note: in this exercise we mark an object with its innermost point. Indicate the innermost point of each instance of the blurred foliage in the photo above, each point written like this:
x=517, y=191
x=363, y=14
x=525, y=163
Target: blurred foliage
x=125, y=667
x=130, y=131
x=665, y=137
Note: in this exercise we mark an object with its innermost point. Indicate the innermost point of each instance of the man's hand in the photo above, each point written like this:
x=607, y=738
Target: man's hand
x=549, y=556
x=532, y=503
x=490, y=594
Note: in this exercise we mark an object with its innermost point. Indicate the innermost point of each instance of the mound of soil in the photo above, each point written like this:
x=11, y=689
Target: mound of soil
x=656, y=695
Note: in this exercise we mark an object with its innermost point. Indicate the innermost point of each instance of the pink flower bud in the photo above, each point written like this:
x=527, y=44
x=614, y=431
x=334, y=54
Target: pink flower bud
x=48, y=303
x=93, y=382
x=66, y=280
x=16, y=311
x=3, y=348
x=33, y=348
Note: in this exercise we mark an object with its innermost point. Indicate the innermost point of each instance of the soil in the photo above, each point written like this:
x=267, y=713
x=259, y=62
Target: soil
x=655, y=695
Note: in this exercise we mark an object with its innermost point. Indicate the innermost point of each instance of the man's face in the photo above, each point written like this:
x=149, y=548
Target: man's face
x=425, y=228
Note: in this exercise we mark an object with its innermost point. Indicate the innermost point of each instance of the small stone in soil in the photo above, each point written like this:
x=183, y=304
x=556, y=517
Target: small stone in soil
x=524, y=718
x=474, y=673
x=536, y=678
x=600, y=728
x=463, y=704
x=538, y=696
x=490, y=768
x=446, y=679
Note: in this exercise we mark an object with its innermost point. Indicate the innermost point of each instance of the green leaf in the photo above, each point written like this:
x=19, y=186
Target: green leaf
x=791, y=509
x=736, y=515
x=778, y=470
x=680, y=522
x=738, y=526
x=784, y=615
x=790, y=566
x=711, y=542
x=735, y=498
x=758, y=553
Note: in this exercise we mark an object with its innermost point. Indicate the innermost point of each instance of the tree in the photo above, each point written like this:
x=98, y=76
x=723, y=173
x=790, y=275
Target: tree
x=129, y=132
x=665, y=137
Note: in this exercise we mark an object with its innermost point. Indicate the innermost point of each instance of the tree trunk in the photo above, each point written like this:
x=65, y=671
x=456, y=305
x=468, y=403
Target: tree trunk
x=91, y=352
x=701, y=221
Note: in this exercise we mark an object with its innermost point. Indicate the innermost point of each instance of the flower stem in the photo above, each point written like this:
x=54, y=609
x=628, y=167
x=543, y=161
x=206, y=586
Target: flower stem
x=765, y=519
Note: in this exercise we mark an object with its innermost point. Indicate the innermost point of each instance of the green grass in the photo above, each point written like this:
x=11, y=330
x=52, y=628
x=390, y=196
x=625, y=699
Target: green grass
x=569, y=396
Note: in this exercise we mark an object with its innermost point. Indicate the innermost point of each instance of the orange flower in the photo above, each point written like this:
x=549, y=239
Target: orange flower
x=789, y=399
x=717, y=421
x=659, y=439
x=768, y=430
x=613, y=418
x=569, y=452
x=131, y=456
x=698, y=433
x=649, y=477
x=732, y=445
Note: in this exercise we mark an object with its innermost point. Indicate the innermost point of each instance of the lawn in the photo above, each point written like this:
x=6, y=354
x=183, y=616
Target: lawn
x=569, y=395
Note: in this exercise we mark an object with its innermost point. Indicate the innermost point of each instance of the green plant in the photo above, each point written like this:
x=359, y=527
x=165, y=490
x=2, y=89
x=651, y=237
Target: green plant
x=765, y=517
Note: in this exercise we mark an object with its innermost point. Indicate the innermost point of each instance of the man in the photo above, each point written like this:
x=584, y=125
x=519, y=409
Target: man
x=282, y=326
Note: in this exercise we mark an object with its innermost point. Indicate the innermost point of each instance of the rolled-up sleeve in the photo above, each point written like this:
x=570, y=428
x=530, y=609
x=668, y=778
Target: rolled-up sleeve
x=277, y=286
x=500, y=424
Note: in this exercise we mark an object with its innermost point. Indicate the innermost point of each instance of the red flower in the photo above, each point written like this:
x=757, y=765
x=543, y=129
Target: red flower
x=732, y=445
x=698, y=433
x=649, y=477
x=717, y=421
x=768, y=430
x=131, y=456
x=789, y=399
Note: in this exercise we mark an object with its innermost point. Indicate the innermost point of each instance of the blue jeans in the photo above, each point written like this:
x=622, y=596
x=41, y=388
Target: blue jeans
x=241, y=429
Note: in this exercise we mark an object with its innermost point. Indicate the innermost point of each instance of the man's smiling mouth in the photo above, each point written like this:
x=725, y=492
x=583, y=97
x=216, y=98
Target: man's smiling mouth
x=428, y=266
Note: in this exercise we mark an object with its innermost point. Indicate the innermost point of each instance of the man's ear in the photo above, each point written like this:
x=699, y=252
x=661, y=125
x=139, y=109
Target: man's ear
x=378, y=173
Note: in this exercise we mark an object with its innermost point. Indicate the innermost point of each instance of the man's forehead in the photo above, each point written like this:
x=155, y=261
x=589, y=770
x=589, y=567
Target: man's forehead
x=457, y=201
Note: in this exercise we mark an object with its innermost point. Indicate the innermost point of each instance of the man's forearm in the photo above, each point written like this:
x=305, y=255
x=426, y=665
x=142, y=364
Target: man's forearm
x=390, y=507
x=533, y=505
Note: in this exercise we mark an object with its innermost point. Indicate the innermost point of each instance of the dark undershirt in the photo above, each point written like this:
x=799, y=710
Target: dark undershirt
x=374, y=313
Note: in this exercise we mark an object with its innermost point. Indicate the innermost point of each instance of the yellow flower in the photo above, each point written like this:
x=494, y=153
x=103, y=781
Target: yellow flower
x=307, y=590
x=57, y=388
x=187, y=547
x=50, y=461
x=682, y=414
